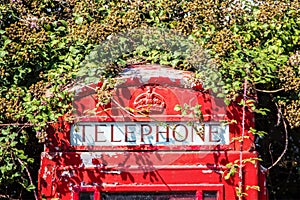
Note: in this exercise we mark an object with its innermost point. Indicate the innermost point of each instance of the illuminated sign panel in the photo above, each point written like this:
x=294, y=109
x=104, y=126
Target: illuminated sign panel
x=148, y=133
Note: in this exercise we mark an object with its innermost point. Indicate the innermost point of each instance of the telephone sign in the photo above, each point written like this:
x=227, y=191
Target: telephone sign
x=148, y=133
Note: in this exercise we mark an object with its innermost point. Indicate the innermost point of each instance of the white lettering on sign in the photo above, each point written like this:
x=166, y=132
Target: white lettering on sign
x=148, y=133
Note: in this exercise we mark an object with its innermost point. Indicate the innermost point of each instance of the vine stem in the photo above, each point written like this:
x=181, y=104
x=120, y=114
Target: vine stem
x=286, y=138
x=29, y=176
x=270, y=91
x=18, y=124
x=242, y=142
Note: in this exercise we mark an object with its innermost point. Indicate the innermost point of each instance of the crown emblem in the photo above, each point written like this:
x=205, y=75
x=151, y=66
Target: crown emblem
x=149, y=101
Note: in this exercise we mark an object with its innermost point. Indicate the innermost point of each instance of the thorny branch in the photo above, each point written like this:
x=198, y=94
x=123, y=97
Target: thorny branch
x=286, y=137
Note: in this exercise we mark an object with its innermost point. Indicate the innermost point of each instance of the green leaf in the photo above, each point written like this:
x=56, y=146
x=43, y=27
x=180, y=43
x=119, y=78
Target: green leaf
x=227, y=176
x=247, y=37
x=175, y=62
x=78, y=20
x=54, y=42
x=30, y=187
x=3, y=53
x=73, y=50
x=47, y=27
x=177, y=108
x=61, y=45
x=64, y=23
x=6, y=42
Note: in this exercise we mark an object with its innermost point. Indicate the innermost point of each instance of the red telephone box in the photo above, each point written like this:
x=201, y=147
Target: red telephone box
x=159, y=137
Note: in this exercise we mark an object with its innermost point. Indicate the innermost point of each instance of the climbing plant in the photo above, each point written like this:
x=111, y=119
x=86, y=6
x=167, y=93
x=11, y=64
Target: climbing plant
x=44, y=44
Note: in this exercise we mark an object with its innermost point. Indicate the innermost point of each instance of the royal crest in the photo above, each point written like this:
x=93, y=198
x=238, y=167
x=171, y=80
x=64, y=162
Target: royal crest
x=149, y=101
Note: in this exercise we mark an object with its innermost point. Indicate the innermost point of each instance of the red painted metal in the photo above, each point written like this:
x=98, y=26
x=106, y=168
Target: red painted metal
x=68, y=170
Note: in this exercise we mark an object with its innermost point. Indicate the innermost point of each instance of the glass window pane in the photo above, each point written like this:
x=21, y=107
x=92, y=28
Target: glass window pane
x=209, y=195
x=86, y=196
x=149, y=196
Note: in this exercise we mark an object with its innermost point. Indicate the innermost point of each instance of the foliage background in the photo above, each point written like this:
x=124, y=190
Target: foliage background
x=43, y=43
